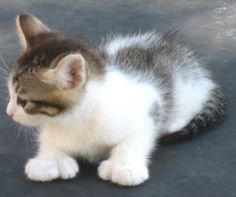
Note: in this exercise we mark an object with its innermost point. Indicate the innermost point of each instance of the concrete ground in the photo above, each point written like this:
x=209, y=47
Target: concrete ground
x=203, y=167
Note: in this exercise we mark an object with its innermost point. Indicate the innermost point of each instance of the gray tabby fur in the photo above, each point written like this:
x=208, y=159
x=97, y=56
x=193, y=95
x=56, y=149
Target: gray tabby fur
x=158, y=58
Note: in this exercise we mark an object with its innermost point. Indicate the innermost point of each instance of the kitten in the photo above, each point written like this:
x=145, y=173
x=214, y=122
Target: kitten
x=108, y=105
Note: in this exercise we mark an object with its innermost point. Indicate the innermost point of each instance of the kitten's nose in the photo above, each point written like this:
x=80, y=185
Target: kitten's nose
x=9, y=110
x=10, y=114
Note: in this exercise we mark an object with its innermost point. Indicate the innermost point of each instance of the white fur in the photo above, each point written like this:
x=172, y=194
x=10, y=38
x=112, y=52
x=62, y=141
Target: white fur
x=112, y=122
x=112, y=119
x=119, y=42
x=47, y=169
x=189, y=97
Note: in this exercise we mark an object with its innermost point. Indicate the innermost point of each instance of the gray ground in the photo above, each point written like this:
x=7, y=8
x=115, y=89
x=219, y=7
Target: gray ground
x=203, y=167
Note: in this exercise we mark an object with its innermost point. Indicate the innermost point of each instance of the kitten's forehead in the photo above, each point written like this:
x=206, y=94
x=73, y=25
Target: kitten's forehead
x=27, y=83
x=37, y=58
x=25, y=74
x=45, y=49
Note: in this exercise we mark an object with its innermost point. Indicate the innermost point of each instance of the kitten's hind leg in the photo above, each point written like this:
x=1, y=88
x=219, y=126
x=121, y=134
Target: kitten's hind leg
x=189, y=99
x=211, y=112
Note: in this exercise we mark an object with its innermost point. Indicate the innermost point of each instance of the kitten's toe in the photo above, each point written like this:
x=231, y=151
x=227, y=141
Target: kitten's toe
x=104, y=170
x=68, y=168
x=123, y=174
x=41, y=169
x=129, y=175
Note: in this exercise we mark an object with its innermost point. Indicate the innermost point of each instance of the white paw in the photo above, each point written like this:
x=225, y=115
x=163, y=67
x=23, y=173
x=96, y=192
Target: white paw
x=42, y=170
x=123, y=174
x=38, y=169
x=68, y=168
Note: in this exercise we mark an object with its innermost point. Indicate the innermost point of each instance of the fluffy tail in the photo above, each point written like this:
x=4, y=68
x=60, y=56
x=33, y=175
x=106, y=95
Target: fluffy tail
x=212, y=112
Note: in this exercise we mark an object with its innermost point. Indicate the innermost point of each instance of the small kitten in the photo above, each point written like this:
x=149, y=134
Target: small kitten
x=108, y=105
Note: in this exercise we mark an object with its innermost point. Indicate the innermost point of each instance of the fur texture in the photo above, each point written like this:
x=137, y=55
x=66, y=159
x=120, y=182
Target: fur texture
x=109, y=105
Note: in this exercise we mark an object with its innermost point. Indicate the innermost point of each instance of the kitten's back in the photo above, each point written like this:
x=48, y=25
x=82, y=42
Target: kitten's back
x=161, y=61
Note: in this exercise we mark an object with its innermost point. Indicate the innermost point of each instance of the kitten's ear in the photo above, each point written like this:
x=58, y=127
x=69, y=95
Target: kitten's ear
x=68, y=73
x=28, y=27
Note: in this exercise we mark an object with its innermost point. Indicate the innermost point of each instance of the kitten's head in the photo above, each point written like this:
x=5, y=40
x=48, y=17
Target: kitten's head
x=51, y=74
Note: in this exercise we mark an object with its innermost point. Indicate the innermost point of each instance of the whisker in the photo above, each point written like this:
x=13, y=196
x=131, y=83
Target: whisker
x=3, y=83
x=4, y=63
x=32, y=130
x=4, y=92
x=27, y=140
x=3, y=75
x=16, y=128
x=4, y=69
x=3, y=95
x=29, y=133
x=5, y=72
x=3, y=88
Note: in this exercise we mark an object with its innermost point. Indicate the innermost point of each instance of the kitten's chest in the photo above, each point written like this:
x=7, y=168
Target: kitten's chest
x=86, y=139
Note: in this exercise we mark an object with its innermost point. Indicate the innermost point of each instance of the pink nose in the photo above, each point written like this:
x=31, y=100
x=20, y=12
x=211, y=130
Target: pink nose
x=10, y=114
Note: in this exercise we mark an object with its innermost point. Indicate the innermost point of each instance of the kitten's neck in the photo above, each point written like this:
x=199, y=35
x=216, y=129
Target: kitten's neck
x=85, y=107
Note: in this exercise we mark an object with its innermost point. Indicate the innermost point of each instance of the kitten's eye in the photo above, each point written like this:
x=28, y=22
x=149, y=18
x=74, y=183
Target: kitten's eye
x=21, y=102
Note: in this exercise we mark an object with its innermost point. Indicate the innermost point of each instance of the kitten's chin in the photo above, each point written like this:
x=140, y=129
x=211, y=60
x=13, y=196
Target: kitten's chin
x=26, y=123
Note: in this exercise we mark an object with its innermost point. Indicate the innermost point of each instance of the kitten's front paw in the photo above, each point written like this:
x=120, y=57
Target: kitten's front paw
x=123, y=174
x=68, y=168
x=38, y=169
x=42, y=170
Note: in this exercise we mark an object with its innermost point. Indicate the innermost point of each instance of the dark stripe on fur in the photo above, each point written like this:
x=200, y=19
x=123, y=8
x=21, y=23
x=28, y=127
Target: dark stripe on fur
x=212, y=112
x=49, y=104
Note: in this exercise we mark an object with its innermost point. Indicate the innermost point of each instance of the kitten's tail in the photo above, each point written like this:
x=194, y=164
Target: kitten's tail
x=212, y=112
